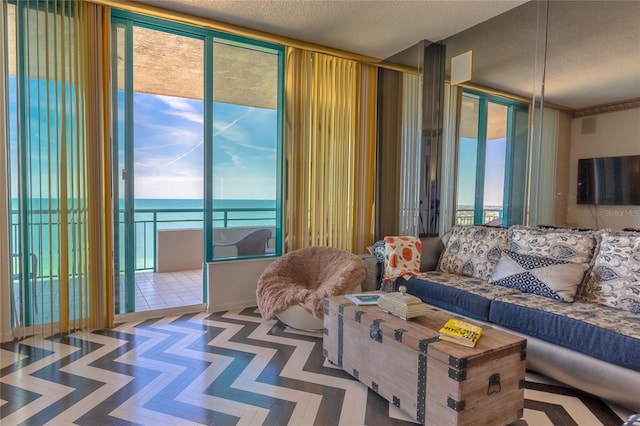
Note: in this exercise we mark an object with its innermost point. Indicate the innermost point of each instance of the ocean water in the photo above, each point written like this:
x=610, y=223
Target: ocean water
x=187, y=213
x=150, y=215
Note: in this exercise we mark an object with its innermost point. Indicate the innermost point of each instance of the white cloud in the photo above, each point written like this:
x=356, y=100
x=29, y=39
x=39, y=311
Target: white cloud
x=244, y=187
x=181, y=107
x=179, y=187
x=169, y=165
x=181, y=104
x=159, y=164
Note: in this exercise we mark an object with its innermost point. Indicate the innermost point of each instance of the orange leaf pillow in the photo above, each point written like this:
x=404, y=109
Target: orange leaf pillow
x=402, y=257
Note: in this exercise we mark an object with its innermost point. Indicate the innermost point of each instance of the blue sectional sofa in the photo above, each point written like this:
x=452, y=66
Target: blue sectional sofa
x=574, y=294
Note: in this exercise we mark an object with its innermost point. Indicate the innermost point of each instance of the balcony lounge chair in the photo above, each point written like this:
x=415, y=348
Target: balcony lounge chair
x=253, y=244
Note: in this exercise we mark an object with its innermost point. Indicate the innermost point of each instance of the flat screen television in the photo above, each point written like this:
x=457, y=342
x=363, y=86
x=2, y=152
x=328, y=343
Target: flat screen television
x=609, y=180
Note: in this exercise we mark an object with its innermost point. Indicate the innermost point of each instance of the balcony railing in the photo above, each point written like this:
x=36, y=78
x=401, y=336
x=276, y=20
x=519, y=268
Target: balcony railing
x=146, y=224
x=466, y=216
x=149, y=221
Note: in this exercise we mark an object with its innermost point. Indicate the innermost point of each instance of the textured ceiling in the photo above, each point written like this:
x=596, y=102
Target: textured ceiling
x=592, y=56
x=242, y=76
x=373, y=28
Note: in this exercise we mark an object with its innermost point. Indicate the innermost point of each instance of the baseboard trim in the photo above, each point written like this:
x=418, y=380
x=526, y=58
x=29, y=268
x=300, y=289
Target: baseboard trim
x=165, y=312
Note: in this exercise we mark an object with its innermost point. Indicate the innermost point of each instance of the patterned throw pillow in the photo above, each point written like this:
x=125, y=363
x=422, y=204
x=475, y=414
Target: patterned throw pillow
x=615, y=276
x=560, y=244
x=556, y=279
x=377, y=251
x=473, y=250
x=402, y=256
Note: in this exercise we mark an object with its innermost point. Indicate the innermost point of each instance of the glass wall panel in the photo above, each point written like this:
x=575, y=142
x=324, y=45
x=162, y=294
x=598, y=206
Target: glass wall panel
x=492, y=161
x=467, y=160
x=245, y=149
x=158, y=165
x=197, y=147
x=168, y=137
x=494, y=164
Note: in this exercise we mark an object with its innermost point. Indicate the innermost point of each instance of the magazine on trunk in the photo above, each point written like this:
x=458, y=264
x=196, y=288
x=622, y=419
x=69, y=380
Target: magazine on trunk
x=363, y=298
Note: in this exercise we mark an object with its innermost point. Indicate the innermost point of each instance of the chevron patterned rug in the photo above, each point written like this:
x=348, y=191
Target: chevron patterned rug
x=228, y=368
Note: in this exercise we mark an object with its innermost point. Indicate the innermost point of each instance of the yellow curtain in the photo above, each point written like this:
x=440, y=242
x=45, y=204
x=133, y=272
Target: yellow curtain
x=97, y=26
x=330, y=147
x=60, y=167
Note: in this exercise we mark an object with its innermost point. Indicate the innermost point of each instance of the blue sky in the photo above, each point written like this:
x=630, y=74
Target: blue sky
x=494, y=172
x=168, y=135
x=168, y=153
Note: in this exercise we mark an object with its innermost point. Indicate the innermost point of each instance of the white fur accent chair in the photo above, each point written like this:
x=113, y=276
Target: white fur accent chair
x=293, y=287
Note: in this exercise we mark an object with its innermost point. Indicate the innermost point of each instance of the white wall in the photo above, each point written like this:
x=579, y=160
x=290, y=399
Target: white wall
x=616, y=133
x=181, y=249
x=232, y=284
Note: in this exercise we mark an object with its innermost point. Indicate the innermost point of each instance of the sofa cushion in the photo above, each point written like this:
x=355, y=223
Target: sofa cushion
x=615, y=276
x=605, y=333
x=552, y=278
x=461, y=294
x=431, y=251
x=402, y=256
x=568, y=245
x=473, y=250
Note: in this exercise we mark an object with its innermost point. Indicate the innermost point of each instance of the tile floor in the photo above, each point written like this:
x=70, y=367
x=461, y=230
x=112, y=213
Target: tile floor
x=156, y=290
x=226, y=368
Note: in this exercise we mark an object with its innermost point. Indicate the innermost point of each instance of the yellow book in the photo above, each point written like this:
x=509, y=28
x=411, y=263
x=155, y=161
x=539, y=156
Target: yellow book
x=460, y=332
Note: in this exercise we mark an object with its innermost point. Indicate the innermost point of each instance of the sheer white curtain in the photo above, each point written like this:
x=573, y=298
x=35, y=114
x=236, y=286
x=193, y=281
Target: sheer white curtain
x=410, y=156
x=449, y=163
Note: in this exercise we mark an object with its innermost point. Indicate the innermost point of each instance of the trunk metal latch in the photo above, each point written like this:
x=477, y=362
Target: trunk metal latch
x=494, y=384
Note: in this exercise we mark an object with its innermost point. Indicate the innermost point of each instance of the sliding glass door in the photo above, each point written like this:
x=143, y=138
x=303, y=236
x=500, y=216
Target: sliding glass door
x=197, y=155
x=158, y=167
x=245, y=177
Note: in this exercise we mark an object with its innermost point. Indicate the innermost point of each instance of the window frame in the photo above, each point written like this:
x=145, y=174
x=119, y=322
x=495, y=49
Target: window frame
x=209, y=37
x=513, y=106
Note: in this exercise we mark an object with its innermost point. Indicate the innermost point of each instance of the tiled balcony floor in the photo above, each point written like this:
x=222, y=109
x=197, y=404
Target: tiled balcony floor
x=153, y=291
x=168, y=290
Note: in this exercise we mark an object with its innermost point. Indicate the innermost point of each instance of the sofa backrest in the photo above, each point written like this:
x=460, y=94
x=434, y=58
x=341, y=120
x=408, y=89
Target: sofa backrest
x=473, y=250
x=611, y=257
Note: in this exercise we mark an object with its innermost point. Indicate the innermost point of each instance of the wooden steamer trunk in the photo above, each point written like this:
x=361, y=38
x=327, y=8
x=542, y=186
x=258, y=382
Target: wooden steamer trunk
x=434, y=381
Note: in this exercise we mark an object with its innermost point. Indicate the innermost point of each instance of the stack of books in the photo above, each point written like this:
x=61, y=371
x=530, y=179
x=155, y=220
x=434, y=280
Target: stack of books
x=461, y=332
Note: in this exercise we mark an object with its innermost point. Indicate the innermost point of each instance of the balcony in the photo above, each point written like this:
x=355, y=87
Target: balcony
x=157, y=290
x=153, y=289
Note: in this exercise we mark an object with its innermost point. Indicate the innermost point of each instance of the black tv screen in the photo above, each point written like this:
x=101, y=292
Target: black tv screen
x=609, y=180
